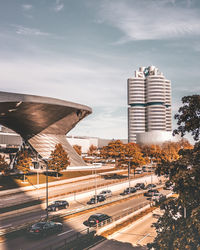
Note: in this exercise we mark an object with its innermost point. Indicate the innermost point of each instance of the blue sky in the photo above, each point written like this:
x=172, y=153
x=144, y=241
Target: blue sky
x=84, y=51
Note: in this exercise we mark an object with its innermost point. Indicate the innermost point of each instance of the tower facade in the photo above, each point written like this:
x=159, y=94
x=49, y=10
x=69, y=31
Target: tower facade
x=149, y=100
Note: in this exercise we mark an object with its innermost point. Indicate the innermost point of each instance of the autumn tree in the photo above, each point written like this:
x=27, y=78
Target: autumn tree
x=24, y=162
x=133, y=155
x=58, y=159
x=179, y=227
x=114, y=150
x=78, y=149
x=92, y=150
x=3, y=164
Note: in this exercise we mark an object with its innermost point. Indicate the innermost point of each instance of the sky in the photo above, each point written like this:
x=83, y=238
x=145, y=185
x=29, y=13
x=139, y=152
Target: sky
x=85, y=50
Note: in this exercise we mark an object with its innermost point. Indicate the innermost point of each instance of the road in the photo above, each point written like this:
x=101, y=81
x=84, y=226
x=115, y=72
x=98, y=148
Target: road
x=135, y=236
x=71, y=226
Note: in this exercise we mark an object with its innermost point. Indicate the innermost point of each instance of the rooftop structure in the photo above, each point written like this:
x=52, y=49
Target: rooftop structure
x=42, y=122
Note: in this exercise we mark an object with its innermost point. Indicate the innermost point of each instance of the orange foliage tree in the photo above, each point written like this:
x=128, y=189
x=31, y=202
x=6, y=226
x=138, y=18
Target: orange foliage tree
x=78, y=149
x=92, y=150
x=114, y=150
x=133, y=155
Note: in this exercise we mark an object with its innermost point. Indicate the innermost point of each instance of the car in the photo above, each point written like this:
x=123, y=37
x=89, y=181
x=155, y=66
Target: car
x=106, y=193
x=98, y=198
x=57, y=205
x=152, y=192
x=149, y=186
x=94, y=219
x=43, y=228
x=159, y=198
x=139, y=186
x=128, y=191
x=138, y=171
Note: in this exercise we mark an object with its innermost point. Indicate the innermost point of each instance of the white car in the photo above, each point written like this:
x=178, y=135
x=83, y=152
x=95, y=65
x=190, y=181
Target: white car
x=106, y=193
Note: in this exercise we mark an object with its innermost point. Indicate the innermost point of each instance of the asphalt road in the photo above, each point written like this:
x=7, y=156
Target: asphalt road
x=135, y=236
x=71, y=227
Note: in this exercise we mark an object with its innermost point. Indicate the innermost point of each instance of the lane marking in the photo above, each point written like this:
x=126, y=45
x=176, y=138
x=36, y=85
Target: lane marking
x=8, y=225
x=66, y=232
x=143, y=238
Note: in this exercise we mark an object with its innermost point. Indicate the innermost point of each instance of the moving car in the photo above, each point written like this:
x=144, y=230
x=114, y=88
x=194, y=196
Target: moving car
x=149, y=186
x=139, y=186
x=128, y=191
x=97, y=199
x=152, y=192
x=106, y=193
x=94, y=219
x=44, y=228
x=56, y=205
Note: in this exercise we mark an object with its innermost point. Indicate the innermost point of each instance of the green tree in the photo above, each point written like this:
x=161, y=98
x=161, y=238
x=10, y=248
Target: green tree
x=3, y=165
x=189, y=117
x=92, y=150
x=179, y=227
x=24, y=162
x=58, y=159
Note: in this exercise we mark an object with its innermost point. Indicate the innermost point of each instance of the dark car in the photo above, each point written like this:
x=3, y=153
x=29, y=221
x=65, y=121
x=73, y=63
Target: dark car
x=128, y=191
x=44, y=228
x=98, y=198
x=57, y=205
x=139, y=186
x=94, y=219
x=149, y=186
x=152, y=192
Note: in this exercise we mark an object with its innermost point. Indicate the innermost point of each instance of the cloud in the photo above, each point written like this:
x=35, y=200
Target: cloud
x=27, y=7
x=150, y=20
x=21, y=30
x=59, y=6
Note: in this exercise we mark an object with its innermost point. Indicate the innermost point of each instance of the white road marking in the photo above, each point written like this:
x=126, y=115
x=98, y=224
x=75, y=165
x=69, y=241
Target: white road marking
x=8, y=225
x=143, y=238
x=66, y=232
x=126, y=208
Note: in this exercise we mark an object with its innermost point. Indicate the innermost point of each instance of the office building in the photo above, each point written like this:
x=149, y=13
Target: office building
x=149, y=111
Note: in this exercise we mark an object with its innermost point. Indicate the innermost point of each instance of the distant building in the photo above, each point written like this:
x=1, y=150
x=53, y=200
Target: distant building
x=149, y=111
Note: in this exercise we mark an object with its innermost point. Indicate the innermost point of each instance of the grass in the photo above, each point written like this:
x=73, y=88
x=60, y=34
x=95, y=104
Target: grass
x=14, y=181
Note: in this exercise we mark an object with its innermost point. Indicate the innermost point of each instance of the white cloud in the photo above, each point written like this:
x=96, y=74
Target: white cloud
x=150, y=20
x=59, y=5
x=27, y=7
x=21, y=30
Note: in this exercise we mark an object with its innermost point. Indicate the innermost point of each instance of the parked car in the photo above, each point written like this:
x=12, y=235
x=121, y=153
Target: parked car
x=128, y=191
x=42, y=229
x=158, y=198
x=57, y=205
x=151, y=192
x=149, y=186
x=139, y=186
x=97, y=199
x=94, y=219
x=106, y=193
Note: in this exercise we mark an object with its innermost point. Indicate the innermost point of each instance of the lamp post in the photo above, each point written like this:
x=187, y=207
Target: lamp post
x=129, y=183
x=47, y=215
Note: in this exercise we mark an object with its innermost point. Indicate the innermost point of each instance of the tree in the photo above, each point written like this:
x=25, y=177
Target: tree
x=114, y=150
x=3, y=165
x=92, y=150
x=133, y=155
x=24, y=162
x=78, y=149
x=189, y=116
x=179, y=227
x=58, y=159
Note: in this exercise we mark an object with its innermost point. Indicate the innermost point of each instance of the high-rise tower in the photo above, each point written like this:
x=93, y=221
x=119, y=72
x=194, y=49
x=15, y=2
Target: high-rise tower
x=149, y=100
